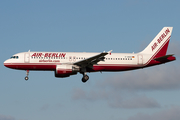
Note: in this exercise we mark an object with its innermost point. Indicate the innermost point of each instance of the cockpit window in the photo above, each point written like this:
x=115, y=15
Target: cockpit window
x=14, y=57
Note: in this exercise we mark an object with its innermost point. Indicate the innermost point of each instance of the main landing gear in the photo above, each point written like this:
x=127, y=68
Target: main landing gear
x=85, y=78
x=27, y=73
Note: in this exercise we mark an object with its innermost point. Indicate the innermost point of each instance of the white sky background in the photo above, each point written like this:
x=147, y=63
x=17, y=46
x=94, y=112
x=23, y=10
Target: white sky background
x=88, y=26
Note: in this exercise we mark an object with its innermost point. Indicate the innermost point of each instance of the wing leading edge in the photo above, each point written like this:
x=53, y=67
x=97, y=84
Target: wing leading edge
x=89, y=62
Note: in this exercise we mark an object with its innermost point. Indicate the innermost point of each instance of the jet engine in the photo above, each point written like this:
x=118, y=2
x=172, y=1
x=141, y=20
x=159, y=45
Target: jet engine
x=66, y=70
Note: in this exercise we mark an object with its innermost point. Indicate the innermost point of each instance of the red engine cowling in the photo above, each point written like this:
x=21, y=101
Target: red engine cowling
x=66, y=70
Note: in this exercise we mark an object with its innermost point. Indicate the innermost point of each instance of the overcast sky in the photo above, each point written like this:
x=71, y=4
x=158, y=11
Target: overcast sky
x=124, y=26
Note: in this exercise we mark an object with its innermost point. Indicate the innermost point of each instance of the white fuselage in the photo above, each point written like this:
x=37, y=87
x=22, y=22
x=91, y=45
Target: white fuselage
x=48, y=60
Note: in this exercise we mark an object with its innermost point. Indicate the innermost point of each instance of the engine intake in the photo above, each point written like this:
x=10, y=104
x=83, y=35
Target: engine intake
x=66, y=70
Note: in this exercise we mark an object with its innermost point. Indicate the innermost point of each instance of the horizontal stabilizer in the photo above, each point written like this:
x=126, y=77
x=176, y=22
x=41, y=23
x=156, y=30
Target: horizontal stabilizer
x=166, y=58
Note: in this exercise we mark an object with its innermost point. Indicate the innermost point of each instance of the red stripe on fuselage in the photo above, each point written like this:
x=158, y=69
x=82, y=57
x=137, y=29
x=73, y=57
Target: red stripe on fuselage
x=50, y=66
x=31, y=66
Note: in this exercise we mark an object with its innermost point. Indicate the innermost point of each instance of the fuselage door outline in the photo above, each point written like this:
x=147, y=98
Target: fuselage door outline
x=27, y=57
x=140, y=59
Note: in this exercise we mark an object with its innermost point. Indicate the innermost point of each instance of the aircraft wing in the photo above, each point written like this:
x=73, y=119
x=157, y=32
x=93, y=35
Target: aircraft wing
x=89, y=62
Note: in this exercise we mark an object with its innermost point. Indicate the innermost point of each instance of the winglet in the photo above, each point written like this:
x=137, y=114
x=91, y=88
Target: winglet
x=110, y=51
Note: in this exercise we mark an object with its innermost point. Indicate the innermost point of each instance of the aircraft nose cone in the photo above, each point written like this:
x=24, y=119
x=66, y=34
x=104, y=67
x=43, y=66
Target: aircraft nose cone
x=6, y=63
x=9, y=64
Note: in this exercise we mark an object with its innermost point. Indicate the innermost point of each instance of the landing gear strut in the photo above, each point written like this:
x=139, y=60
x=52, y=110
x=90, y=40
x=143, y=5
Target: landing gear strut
x=85, y=78
x=27, y=73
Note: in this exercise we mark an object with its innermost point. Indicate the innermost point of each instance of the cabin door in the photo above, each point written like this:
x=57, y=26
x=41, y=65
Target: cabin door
x=26, y=57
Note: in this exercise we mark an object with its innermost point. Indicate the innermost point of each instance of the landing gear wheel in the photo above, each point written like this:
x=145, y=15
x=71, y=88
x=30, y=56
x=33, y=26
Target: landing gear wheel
x=26, y=78
x=85, y=78
x=27, y=73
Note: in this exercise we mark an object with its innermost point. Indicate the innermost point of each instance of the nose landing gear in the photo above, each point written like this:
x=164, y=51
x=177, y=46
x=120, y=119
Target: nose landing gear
x=27, y=73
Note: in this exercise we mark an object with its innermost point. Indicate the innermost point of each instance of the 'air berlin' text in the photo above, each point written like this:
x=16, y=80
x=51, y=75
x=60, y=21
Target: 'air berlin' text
x=160, y=39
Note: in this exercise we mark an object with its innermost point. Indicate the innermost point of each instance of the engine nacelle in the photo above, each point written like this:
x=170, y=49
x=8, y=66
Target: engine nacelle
x=66, y=70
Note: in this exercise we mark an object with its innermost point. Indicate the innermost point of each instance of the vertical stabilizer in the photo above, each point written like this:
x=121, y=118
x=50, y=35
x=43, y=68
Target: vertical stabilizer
x=159, y=44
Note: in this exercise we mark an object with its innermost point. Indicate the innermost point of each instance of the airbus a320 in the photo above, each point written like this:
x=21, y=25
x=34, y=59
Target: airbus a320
x=65, y=64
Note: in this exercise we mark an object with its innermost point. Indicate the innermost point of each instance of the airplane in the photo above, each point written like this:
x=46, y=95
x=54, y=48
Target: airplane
x=65, y=64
